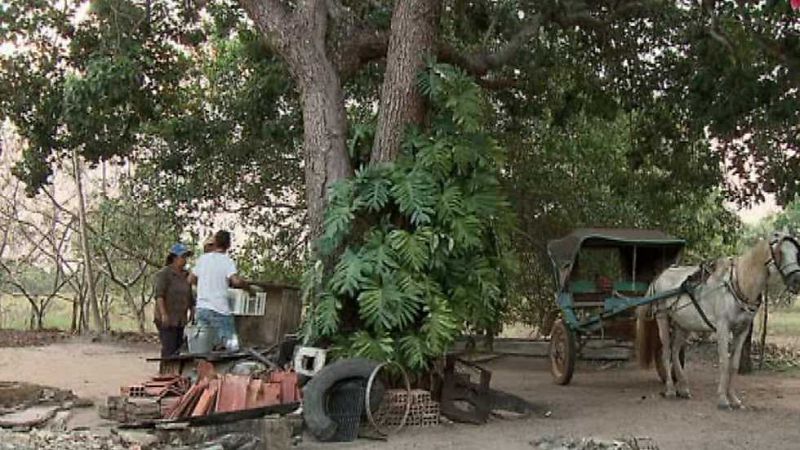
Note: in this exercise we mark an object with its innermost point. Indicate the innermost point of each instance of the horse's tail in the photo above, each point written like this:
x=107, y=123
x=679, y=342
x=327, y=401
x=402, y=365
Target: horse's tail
x=647, y=339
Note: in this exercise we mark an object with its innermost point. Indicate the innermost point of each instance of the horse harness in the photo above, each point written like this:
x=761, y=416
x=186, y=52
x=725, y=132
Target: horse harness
x=690, y=285
x=733, y=286
x=777, y=255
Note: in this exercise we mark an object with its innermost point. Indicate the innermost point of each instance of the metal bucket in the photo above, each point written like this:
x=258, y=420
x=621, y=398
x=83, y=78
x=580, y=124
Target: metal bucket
x=199, y=338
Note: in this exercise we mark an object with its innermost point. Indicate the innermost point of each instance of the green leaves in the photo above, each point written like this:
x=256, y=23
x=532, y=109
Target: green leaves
x=415, y=195
x=374, y=186
x=454, y=92
x=421, y=237
x=348, y=277
x=338, y=216
x=412, y=247
x=326, y=315
x=385, y=305
x=414, y=351
x=450, y=204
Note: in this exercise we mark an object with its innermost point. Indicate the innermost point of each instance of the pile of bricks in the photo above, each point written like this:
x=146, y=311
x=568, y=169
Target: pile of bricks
x=146, y=401
x=130, y=409
x=422, y=412
x=225, y=393
x=159, y=387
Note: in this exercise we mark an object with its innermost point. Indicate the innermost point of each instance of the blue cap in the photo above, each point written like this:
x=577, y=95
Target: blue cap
x=180, y=250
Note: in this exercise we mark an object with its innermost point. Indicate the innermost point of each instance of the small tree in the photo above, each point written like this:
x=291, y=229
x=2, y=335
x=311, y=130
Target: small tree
x=129, y=240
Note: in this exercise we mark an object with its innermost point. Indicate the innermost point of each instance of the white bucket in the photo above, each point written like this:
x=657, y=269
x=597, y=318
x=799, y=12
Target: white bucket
x=200, y=339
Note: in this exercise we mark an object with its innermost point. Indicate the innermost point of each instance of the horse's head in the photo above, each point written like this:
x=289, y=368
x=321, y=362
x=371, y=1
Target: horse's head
x=785, y=252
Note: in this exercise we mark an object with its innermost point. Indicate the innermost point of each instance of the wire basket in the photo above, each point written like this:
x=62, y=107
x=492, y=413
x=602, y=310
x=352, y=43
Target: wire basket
x=345, y=405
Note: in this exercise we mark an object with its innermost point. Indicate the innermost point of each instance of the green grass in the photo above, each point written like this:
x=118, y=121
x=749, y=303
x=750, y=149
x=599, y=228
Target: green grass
x=15, y=313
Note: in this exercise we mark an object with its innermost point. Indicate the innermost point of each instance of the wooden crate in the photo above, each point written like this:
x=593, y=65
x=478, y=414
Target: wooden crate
x=282, y=315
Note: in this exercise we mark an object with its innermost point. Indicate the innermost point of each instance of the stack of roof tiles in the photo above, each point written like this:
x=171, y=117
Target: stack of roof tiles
x=215, y=393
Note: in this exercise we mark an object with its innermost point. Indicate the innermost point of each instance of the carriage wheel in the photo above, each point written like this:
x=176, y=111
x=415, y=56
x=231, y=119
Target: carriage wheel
x=661, y=370
x=562, y=352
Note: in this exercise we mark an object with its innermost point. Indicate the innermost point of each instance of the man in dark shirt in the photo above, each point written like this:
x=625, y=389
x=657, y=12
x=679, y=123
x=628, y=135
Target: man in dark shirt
x=174, y=300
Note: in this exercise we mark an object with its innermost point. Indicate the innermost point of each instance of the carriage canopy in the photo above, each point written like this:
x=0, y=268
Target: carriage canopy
x=638, y=254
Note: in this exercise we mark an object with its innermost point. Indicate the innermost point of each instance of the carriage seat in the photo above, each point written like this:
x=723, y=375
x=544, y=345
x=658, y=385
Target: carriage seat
x=631, y=287
x=583, y=287
x=587, y=293
x=590, y=287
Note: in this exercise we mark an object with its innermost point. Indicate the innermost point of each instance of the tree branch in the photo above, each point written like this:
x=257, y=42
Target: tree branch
x=362, y=48
x=110, y=242
x=478, y=64
x=272, y=18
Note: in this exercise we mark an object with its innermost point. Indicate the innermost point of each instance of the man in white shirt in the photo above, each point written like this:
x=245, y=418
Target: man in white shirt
x=213, y=273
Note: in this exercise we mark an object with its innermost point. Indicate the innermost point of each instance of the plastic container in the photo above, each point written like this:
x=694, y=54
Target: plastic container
x=200, y=339
x=232, y=344
x=244, y=304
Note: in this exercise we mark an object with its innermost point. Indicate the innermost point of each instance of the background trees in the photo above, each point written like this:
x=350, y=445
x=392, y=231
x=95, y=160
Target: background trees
x=618, y=113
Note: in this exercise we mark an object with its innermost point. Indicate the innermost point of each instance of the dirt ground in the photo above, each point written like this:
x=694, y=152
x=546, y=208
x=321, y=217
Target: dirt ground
x=606, y=402
x=623, y=402
x=92, y=371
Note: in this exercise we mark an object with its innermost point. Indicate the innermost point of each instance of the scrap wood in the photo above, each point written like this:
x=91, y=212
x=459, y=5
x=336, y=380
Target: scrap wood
x=206, y=399
x=270, y=395
x=206, y=369
x=290, y=385
x=263, y=359
x=232, y=393
x=189, y=400
x=253, y=392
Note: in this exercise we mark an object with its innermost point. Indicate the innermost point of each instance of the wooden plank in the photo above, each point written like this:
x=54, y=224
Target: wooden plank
x=604, y=350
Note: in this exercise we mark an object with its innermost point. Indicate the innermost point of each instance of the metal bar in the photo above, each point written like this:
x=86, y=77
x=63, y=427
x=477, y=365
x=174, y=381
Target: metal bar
x=591, y=323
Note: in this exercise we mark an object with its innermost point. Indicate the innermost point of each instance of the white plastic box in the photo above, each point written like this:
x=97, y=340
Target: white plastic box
x=244, y=304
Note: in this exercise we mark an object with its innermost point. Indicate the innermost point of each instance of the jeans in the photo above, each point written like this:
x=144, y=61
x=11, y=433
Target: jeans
x=222, y=324
x=171, y=340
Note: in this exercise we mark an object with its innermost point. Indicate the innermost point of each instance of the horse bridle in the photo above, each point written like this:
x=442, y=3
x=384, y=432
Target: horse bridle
x=777, y=257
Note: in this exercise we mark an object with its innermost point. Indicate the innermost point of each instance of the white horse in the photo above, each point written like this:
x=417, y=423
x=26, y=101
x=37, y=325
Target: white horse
x=725, y=303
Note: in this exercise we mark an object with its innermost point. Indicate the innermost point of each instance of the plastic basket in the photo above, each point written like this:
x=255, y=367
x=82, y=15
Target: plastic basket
x=345, y=405
x=244, y=304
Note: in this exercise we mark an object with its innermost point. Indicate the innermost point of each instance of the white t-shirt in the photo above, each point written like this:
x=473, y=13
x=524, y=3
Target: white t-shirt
x=213, y=270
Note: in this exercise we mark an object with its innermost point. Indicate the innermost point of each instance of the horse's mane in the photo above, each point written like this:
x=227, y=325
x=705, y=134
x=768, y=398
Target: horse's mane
x=750, y=272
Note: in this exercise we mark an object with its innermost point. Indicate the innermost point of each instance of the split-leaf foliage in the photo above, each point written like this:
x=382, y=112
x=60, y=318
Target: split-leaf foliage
x=422, y=243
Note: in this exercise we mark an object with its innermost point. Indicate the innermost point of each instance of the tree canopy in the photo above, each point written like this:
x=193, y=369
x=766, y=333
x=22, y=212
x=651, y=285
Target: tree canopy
x=614, y=112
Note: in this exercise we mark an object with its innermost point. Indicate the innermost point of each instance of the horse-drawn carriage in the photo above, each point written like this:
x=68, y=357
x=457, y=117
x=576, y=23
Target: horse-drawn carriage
x=624, y=283
x=601, y=275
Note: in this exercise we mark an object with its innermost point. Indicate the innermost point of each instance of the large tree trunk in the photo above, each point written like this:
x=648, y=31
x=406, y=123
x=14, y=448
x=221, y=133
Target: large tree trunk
x=300, y=37
x=413, y=37
x=325, y=132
